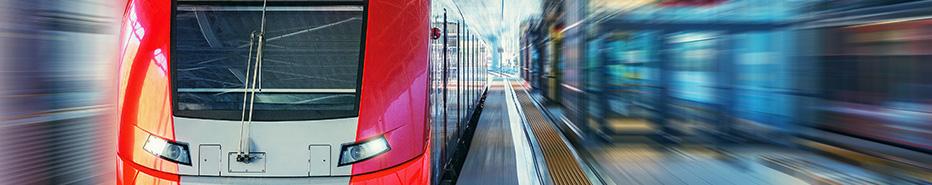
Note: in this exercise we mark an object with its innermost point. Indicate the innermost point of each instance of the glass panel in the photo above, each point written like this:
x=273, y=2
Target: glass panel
x=309, y=68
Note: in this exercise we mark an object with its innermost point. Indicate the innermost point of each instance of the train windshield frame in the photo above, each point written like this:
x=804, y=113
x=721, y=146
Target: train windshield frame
x=311, y=66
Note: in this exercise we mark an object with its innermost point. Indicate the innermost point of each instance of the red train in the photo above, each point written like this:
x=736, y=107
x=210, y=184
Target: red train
x=294, y=92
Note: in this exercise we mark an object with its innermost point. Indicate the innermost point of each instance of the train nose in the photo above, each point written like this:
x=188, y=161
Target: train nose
x=212, y=160
x=276, y=149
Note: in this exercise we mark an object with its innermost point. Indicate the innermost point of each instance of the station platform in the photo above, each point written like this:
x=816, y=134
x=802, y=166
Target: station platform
x=492, y=158
x=515, y=144
x=520, y=140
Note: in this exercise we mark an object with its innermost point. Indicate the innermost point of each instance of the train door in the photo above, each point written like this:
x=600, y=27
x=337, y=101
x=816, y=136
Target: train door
x=694, y=91
x=761, y=79
x=628, y=83
x=460, y=91
x=452, y=87
x=437, y=95
x=553, y=66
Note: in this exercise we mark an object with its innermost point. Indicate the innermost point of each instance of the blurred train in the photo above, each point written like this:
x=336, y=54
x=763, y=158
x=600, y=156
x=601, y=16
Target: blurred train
x=873, y=83
x=852, y=76
x=295, y=92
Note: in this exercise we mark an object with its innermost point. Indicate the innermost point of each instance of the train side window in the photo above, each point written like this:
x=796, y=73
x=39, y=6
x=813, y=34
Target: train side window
x=472, y=80
x=472, y=67
x=475, y=73
x=478, y=71
x=466, y=63
x=472, y=88
x=459, y=83
x=469, y=74
x=459, y=79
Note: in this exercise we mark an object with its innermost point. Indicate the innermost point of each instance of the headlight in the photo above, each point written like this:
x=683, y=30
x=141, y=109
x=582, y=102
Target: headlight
x=175, y=152
x=356, y=152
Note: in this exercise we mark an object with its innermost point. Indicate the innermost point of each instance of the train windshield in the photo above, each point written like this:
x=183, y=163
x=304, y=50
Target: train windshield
x=309, y=68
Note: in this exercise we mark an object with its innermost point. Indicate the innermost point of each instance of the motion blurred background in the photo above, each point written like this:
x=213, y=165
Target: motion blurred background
x=56, y=69
x=772, y=71
x=844, y=79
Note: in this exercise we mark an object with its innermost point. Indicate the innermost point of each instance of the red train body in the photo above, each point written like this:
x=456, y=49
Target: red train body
x=348, y=92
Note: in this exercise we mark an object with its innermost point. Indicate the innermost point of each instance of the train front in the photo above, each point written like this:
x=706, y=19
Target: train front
x=273, y=92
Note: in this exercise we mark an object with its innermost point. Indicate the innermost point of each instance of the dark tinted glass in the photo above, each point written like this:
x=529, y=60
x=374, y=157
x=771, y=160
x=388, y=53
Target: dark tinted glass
x=309, y=68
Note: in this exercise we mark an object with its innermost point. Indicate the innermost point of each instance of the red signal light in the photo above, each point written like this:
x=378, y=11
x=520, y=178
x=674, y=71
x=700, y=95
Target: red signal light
x=435, y=33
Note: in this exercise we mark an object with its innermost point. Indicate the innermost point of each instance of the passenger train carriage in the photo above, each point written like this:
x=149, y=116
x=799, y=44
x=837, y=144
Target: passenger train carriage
x=294, y=92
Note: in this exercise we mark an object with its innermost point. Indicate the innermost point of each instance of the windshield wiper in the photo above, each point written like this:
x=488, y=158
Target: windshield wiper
x=244, y=155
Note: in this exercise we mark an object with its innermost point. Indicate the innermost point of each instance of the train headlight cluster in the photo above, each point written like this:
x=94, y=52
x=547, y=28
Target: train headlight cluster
x=175, y=152
x=356, y=152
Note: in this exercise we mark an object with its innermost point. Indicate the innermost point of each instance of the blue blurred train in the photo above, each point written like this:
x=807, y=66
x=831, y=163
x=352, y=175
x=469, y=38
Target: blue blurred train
x=852, y=75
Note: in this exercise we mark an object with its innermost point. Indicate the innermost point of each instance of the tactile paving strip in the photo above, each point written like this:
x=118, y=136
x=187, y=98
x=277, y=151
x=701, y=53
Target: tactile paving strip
x=561, y=164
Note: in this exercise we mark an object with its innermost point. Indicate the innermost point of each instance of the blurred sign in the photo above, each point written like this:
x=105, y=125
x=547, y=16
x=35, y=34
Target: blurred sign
x=690, y=2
